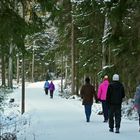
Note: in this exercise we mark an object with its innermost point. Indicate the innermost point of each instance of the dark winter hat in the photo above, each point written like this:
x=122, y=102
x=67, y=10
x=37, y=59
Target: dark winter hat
x=87, y=80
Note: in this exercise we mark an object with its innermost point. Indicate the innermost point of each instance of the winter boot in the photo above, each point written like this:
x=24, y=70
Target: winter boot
x=117, y=130
x=111, y=130
x=105, y=121
x=88, y=120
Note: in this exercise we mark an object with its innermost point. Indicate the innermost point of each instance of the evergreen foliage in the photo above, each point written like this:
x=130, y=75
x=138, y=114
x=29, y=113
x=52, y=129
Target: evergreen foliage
x=49, y=27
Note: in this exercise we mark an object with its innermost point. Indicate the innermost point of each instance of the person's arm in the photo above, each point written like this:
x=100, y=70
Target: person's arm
x=99, y=92
x=53, y=87
x=81, y=92
x=108, y=95
x=137, y=99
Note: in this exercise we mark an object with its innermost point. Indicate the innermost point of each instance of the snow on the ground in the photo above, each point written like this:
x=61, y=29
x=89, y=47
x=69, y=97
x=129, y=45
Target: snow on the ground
x=64, y=119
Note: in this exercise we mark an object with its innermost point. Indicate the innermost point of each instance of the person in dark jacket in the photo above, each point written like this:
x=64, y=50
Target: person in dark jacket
x=87, y=93
x=115, y=94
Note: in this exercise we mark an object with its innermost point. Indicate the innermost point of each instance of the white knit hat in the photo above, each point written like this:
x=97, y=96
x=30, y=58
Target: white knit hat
x=115, y=77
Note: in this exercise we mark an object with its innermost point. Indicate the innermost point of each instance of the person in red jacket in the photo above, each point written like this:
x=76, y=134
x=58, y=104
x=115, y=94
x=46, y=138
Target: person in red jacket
x=102, y=91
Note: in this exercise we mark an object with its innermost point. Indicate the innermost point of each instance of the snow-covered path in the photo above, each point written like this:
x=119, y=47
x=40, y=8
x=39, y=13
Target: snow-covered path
x=63, y=119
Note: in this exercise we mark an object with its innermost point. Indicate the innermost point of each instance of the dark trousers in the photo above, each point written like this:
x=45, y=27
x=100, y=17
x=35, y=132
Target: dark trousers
x=139, y=119
x=114, y=116
x=88, y=112
x=51, y=93
x=46, y=91
x=105, y=110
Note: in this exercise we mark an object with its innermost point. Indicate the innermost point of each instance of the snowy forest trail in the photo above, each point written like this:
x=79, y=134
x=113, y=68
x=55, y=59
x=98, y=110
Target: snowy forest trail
x=64, y=119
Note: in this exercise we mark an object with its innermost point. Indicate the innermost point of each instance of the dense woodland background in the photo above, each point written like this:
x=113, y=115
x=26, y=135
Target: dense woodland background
x=70, y=39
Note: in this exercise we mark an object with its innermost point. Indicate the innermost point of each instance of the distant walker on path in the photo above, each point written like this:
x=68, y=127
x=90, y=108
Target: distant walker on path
x=51, y=88
x=46, y=87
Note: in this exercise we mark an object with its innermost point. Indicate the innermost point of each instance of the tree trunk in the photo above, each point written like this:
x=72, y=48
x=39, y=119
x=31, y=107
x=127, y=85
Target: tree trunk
x=3, y=68
x=23, y=85
x=76, y=69
x=105, y=53
x=33, y=61
x=23, y=65
x=62, y=72
x=66, y=72
x=0, y=68
x=10, y=72
x=72, y=57
x=17, y=68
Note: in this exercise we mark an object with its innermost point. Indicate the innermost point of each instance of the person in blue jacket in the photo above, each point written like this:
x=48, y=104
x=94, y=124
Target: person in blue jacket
x=46, y=87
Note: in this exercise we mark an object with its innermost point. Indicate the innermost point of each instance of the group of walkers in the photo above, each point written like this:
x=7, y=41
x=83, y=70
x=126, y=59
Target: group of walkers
x=49, y=87
x=111, y=95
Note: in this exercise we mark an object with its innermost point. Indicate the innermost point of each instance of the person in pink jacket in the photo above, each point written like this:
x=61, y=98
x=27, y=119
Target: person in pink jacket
x=101, y=95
